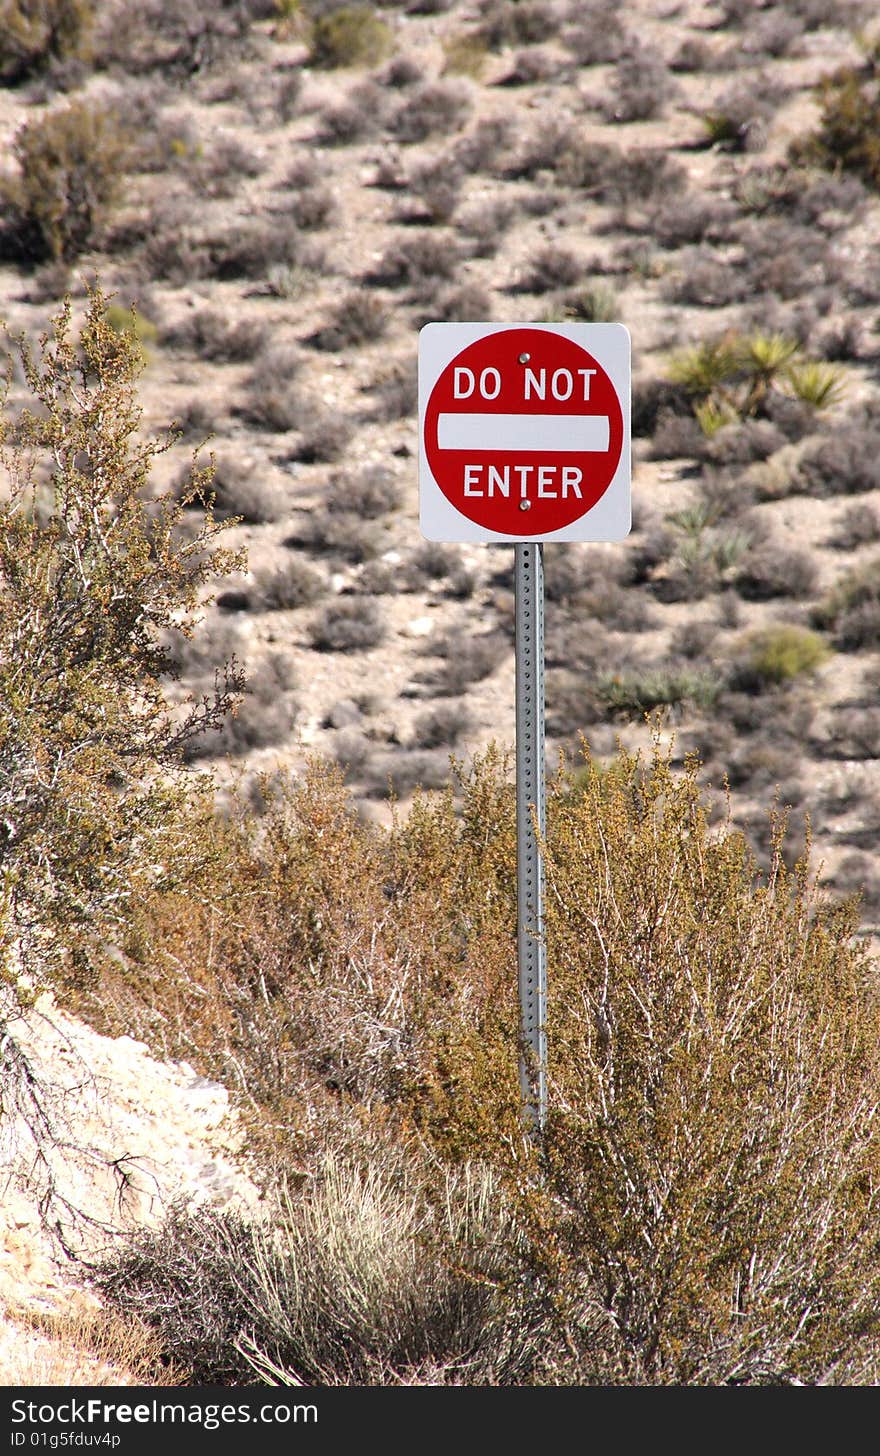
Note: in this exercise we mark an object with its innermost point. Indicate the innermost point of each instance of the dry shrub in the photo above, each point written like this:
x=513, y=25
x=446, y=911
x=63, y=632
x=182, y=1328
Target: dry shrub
x=337, y=957
x=851, y=610
x=396, y=391
x=340, y=535
x=701, y=1210
x=400, y=774
x=551, y=267
x=175, y=40
x=70, y=162
x=467, y=660
x=264, y=717
x=478, y=150
x=642, y=86
x=436, y=184
x=238, y=488
x=367, y=1275
x=435, y=106
x=312, y=208
x=417, y=261
x=213, y=336
x=486, y=225
x=775, y=571
x=369, y=493
x=527, y=22
x=249, y=249
x=597, y=36
x=325, y=437
x=351, y=625
x=855, y=733
x=87, y=1347
x=296, y=584
x=441, y=726
x=35, y=34
x=359, y=318
x=857, y=526
x=355, y=118
x=464, y=304
x=847, y=463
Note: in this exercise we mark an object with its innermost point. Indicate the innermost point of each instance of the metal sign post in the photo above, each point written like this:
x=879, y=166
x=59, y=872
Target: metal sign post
x=524, y=437
x=530, y=829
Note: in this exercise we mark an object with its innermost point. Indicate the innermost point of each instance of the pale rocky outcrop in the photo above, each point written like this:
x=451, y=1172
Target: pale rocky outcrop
x=126, y=1135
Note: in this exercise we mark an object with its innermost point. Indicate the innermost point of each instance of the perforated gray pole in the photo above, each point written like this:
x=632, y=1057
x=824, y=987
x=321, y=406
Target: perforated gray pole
x=530, y=811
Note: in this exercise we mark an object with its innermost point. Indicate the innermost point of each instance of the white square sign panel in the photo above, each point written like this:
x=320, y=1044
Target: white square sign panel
x=524, y=432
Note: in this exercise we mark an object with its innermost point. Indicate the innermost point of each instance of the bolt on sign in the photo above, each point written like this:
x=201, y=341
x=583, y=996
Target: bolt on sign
x=524, y=432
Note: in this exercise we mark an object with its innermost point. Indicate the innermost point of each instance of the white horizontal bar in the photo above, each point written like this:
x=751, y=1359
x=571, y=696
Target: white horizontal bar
x=523, y=432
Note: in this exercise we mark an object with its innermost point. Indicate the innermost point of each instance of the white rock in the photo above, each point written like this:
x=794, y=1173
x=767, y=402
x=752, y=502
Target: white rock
x=419, y=627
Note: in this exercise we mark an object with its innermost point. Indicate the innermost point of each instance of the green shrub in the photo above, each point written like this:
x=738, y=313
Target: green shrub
x=779, y=654
x=34, y=33
x=465, y=54
x=69, y=178
x=93, y=578
x=352, y=36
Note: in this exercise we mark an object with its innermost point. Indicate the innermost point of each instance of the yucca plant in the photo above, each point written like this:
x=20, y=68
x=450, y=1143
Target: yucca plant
x=694, y=519
x=707, y=366
x=712, y=415
x=815, y=383
x=731, y=378
x=764, y=360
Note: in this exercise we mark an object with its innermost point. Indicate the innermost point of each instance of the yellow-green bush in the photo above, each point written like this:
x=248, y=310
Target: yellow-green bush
x=352, y=36
x=713, y=1145
x=70, y=163
x=34, y=33
x=779, y=654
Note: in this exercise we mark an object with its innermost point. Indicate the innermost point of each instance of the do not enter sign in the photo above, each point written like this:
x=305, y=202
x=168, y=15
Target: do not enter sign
x=524, y=432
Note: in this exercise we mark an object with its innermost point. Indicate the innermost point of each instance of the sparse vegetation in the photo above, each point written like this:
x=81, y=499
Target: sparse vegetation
x=851, y=610
x=293, y=200
x=360, y=318
x=441, y=106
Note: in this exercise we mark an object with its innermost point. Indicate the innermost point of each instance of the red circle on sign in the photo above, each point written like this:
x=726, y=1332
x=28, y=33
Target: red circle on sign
x=523, y=432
